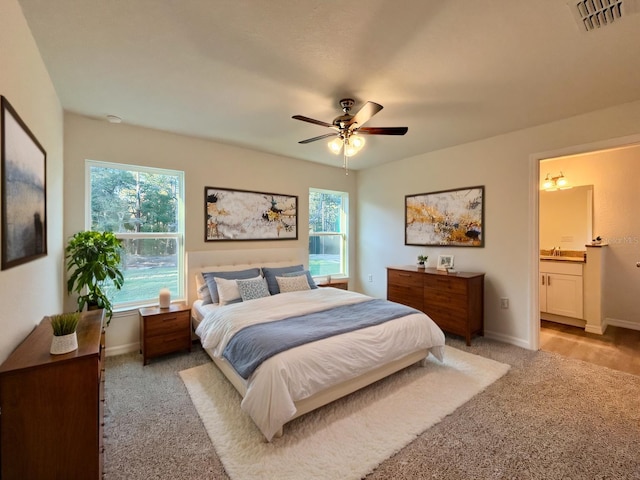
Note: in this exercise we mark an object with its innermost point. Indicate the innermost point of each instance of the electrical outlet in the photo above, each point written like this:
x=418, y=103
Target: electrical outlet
x=370, y=278
x=504, y=302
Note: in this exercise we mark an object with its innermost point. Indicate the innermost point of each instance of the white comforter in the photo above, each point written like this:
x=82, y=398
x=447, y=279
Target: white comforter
x=300, y=372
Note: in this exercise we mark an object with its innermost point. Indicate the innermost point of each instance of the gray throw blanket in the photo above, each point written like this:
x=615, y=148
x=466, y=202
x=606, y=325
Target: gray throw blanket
x=254, y=344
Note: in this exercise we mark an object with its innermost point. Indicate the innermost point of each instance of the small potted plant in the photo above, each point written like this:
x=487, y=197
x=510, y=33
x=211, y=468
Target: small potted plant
x=93, y=260
x=422, y=259
x=64, y=326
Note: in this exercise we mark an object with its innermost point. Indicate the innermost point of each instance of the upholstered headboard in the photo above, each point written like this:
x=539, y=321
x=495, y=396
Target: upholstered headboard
x=207, y=260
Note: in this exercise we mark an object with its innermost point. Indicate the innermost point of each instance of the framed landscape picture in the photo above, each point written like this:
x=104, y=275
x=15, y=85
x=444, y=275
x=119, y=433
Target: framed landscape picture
x=453, y=218
x=24, y=210
x=246, y=215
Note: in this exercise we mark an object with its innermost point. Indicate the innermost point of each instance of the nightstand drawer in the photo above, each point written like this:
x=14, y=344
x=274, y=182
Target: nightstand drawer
x=166, y=323
x=167, y=343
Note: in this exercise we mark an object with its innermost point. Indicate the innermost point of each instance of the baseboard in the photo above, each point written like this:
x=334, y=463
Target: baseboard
x=122, y=349
x=501, y=337
x=573, y=322
x=597, y=329
x=622, y=323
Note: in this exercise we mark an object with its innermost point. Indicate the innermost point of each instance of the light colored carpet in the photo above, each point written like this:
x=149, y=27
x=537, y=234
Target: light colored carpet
x=348, y=438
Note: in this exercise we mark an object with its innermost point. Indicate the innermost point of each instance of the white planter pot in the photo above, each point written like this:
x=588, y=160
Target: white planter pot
x=64, y=344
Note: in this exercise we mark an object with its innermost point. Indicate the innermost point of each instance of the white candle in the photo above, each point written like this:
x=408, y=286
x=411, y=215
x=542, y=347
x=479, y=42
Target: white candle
x=165, y=298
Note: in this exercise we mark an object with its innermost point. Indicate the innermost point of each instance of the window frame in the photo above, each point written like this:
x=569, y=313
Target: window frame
x=178, y=235
x=343, y=234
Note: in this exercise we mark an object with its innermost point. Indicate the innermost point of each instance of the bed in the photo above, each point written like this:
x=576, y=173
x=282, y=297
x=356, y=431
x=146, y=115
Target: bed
x=299, y=379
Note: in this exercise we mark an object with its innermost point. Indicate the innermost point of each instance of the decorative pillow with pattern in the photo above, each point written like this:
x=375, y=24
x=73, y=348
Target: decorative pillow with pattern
x=293, y=284
x=307, y=273
x=253, y=288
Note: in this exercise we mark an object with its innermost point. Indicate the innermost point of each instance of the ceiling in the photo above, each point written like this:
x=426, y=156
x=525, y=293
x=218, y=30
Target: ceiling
x=236, y=71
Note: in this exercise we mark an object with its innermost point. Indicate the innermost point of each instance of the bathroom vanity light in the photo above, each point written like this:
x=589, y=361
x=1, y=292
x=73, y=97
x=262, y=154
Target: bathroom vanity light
x=555, y=183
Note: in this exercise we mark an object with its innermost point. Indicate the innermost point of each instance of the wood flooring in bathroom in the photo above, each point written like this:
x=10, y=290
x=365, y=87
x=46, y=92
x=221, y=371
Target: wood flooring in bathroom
x=618, y=348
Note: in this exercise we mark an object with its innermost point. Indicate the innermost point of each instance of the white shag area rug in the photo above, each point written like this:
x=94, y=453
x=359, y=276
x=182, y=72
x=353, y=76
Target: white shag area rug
x=348, y=438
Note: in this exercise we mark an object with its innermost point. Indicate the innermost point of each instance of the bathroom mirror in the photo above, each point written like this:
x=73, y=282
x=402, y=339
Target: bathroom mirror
x=566, y=218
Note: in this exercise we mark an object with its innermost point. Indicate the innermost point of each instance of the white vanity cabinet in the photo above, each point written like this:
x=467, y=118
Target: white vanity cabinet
x=561, y=288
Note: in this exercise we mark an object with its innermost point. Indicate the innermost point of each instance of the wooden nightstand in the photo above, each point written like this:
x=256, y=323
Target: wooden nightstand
x=343, y=284
x=164, y=330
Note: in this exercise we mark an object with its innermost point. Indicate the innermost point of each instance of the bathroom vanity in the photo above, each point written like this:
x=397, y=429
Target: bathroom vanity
x=561, y=289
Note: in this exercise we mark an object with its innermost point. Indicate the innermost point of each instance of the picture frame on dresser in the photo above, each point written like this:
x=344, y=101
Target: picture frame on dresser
x=24, y=191
x=232, y=215
x=445, y=262
x=452, y=218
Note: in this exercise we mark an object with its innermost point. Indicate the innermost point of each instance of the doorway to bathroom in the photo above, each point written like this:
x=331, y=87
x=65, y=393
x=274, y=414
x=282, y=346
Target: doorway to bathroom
x=613, y=171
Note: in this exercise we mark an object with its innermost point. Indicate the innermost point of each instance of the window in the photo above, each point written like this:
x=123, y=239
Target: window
x=144, y=207
x=328, y=220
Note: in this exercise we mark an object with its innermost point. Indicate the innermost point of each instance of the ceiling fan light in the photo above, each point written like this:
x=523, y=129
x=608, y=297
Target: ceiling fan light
x=357, y=141
x=350, y=150
x=335, y=145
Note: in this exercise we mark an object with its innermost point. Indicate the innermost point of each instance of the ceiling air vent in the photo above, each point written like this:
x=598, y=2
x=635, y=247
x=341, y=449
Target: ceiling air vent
x=593, y=14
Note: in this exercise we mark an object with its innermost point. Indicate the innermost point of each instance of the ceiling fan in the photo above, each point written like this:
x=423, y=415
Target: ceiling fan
x=348, y=128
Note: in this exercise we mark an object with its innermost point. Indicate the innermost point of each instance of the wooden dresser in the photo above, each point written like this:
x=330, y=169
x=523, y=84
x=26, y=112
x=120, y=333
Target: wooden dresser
x=455, y=301
x=52, y=406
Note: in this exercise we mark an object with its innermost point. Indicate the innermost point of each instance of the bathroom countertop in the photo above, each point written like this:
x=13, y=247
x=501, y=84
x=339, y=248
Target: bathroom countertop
x=561, y=258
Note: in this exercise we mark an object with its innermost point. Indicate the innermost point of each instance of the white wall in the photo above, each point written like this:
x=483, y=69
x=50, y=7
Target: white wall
x=205, y=163
x=32, y=290
x=503, y=165
x=615, y=176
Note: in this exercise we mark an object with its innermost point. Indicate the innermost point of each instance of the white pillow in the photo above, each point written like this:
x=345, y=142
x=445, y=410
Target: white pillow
x=292, y=284
x=203, y=289
x=228, y=291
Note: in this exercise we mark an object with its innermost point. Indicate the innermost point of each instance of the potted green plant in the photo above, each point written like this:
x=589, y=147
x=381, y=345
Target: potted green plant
x=64, y=327
x=422, y=260
x=93, y=261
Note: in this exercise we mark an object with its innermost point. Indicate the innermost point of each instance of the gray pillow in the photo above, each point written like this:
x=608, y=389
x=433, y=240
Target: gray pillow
x=209, y=277
x=270, y=274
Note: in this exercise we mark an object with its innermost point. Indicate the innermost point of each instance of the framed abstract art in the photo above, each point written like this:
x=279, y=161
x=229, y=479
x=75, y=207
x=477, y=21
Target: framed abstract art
x=24, y=191
x=248, y=215
x=453, y=218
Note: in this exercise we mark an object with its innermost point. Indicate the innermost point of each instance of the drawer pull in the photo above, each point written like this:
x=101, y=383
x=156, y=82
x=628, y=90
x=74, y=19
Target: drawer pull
x=404, y=275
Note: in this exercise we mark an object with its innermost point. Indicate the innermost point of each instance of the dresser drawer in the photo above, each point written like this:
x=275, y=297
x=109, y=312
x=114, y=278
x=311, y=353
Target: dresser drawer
x=408, y=279
x=456, y=311
x=444, y=283
x=451, y=301
x=406, y=295
x=447, y=320
x=166, y=323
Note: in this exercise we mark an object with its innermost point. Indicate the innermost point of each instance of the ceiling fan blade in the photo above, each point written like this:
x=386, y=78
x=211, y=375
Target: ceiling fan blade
x=311, y=120
x=368, y=110
x=326, y=135
x=383, y=130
